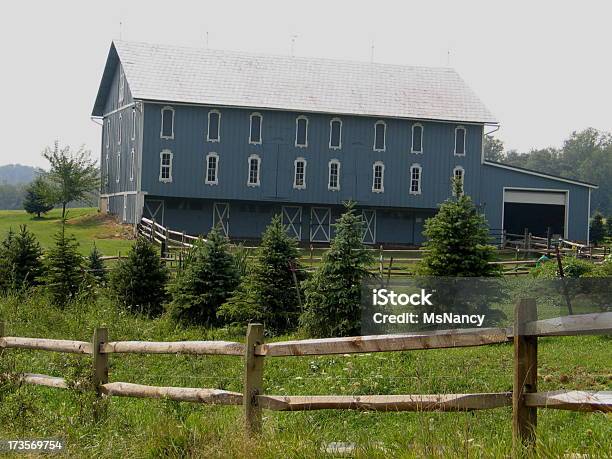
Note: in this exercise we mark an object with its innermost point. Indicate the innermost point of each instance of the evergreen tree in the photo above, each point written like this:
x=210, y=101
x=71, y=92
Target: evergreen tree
x=139, y=282
x=268, y=293
x=209, y=277
x=333, y=293
x=64, y=268
x=95, y=266
x=597, y=230
x=38, y=197
x=458, y=240
x=609, y=227
x=20, y=260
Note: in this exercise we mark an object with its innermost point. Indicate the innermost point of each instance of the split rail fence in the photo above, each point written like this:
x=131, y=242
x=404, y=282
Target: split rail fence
x=524, y=398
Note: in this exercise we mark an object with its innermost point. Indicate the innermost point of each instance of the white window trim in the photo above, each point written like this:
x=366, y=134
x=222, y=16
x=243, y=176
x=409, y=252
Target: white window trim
x=329, y=165
x=384, y=148
x=106, y=178
x=251, y=128
x=218, y=139
x=161, y=155
x=413, y=167
x=119, y=129
x=295, y=185
x=121, y=95
x=108, y=132
x=331, y=122
x=455, y=169
x=382, y=177
x=301, y=117
x=132, y=165
x=212, y=154
x=258, y=183
x=161, y=131
x=118, y=178
x=133, y=123
x=412, y=150
x=464, y=141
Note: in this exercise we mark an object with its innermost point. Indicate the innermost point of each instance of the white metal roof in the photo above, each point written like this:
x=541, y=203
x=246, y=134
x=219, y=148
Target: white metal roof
x=228, y=78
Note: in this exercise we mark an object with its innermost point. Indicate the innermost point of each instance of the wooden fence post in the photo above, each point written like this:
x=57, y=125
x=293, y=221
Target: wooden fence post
x=524, y=418
x=253, y=379
x=2, y=329
x=100, y=360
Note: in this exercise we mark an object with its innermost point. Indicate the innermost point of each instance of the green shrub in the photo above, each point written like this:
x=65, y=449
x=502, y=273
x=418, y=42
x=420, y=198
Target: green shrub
x=38, y=197
x=572, y=268
x=138, y=283
x=597, y=230
x=458, y=240
x=268, y=292
x=333, y=293
x=21, y=263
x=95, y=266
x=64, y=265
x=208, y=278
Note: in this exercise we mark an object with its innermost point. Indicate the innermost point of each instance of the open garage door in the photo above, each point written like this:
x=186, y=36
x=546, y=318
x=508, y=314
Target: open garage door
x=536, y=210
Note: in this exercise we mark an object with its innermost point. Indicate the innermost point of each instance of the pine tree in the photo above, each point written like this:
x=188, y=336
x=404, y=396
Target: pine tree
x=209, y=277
x=64, y=268
x=268, y=293
x=458, y=240
x=597, y=229
x=609, y=227
x=333, y=294
x=20, y=260
x=95, y=266
x=37, y=197
x=138, y=283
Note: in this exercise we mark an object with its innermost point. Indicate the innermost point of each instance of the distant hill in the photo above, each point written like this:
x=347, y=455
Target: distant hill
x=17, y=174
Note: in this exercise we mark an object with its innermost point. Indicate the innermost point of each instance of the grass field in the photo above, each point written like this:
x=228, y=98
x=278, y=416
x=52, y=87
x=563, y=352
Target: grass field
x=87, y=225
x=152, y=428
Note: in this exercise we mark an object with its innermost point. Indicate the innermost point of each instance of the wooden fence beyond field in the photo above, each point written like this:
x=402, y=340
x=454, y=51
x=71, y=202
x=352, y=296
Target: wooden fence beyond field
x=524, y=398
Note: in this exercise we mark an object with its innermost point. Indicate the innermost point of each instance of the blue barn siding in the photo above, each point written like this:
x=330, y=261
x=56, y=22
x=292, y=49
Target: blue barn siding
x=494, y=179
x=278, y=153
x=127, y=144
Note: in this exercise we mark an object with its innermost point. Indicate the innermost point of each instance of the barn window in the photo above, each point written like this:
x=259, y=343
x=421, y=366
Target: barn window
x=214, y=126
x=132, y=165
x=378, y=177
x=118, y=167
x=458, y=173
x=335, y=134
x=254, y=170
x=167, y=123
x=380, y=132
x=415, y=179
x=299, y=176
x=108, y=132
x=119, y=129
x=133, y=124
x=212, y=169
x=301, y=131
x=460, y=141
x=255, y=130
x=333, y=183
x=107, y=174
x=417, y=138
x=165, y=166
x=121, y=85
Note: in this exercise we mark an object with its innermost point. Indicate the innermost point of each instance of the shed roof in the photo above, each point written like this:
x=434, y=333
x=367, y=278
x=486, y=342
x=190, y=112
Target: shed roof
x=238, y=79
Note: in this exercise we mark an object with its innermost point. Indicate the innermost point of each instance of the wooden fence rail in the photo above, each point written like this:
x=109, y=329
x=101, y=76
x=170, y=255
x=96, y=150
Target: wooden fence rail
x=524, y=398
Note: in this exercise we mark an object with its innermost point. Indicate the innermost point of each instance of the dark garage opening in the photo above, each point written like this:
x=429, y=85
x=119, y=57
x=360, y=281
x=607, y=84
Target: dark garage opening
x=536, y=217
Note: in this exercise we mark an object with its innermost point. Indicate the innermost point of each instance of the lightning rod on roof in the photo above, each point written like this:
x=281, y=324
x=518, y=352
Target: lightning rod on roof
x=372, y=52
x=120, y=30
x=293, y=38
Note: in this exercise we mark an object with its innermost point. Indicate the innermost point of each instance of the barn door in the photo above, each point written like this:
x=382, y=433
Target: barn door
x=320, y=224
x=154, y=210
x=221, y=216
x=292, y=220
x=369, y=226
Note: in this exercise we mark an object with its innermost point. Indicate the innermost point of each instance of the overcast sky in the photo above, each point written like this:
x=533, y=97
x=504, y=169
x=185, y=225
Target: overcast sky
x=544, y=68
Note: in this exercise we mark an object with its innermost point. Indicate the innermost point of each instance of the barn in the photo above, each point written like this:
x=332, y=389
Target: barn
x=196, y=137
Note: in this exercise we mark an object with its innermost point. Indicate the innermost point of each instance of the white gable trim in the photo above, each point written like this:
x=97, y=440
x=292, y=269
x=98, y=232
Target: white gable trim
x=540, y=174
